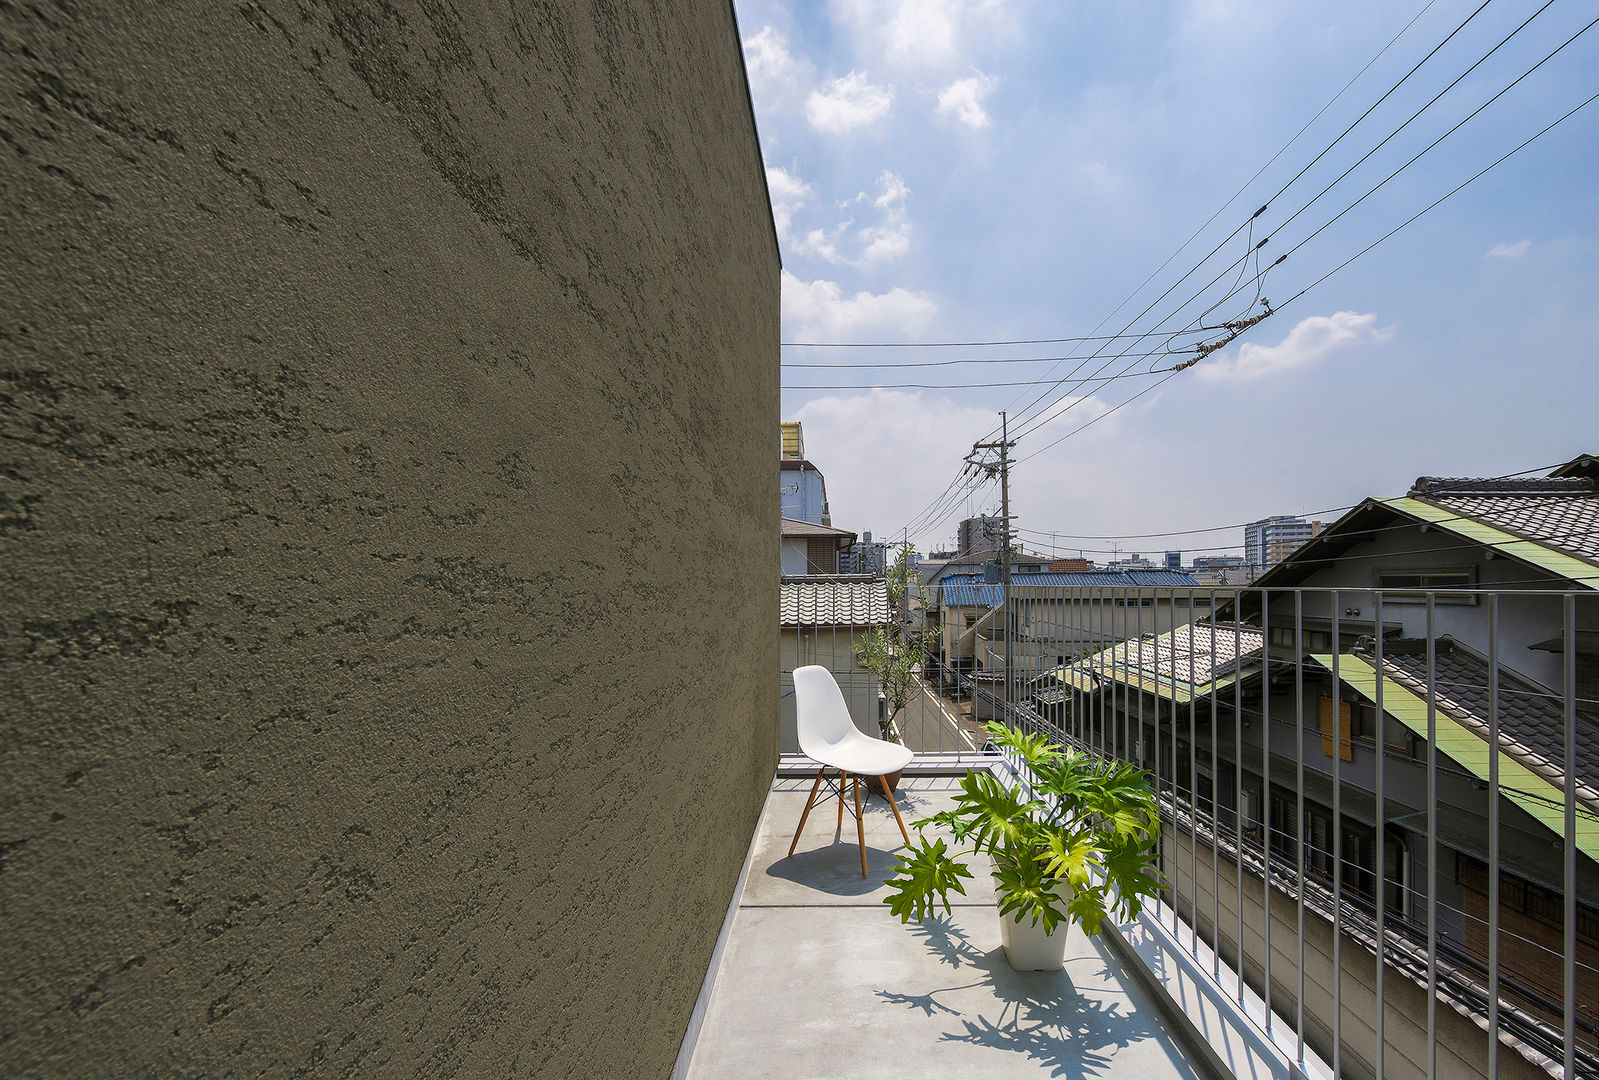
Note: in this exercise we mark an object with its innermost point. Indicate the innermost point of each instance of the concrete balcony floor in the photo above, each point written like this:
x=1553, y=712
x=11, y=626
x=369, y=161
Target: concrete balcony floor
x=818, y=979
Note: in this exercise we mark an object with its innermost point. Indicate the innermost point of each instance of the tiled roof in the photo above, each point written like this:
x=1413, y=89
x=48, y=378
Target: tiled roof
x=1532, y=722
x=1199, y=656
x=1197, y=653
x=1559, y=513
x=833, y=600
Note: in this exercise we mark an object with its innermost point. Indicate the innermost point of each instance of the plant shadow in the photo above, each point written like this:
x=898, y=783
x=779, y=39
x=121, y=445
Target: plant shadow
x=1042, y=1015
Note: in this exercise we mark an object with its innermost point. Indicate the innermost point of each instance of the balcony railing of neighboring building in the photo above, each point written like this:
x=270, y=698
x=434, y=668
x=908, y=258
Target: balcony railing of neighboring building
x=1261, y=719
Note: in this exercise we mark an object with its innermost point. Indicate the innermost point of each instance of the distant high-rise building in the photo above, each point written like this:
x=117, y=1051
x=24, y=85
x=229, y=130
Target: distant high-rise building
x=980, y=534
x=867, y=556
x=1135, y=561
x=1269, y=541
x=1218, y=562
x=1174, y=560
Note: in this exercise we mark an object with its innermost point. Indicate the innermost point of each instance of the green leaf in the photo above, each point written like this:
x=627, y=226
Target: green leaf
x=923, y=876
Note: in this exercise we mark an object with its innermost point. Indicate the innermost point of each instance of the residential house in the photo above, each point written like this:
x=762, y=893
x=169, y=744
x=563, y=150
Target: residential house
x=1282, y=690
x=802, y=490
x=823, y=620
x=809, y=548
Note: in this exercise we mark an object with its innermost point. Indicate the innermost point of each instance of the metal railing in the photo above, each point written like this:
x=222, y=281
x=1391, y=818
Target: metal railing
x=1329, y=794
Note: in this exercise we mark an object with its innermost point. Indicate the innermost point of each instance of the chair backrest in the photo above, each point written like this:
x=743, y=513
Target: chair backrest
x=820, y=713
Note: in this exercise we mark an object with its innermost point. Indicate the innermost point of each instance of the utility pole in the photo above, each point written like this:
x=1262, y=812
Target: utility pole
x=1003, y=468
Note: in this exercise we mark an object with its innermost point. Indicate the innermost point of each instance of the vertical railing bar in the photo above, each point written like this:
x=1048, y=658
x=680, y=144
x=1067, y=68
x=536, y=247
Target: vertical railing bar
x=1193, y=780
x=1338, y=838
x=1238, y=778
x=1215, y=814
x=1382, y=850
x=1265, y=790
x=1432, y=842
x=1569, y=664
x=1493, y=835
x=1160, y=761
x=1133, y=670
x=1299, y=810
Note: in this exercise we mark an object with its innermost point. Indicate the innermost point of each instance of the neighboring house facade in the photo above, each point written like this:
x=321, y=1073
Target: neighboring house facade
x=824, y=618
x=802, y=492
x=1087, y=607
x=1290, y=689
x=809, y=548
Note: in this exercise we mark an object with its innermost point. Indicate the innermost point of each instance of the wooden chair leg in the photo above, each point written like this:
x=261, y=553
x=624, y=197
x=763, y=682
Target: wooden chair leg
x=860, y=822
x=814, y=788
x=843, y=782
x=890, y=793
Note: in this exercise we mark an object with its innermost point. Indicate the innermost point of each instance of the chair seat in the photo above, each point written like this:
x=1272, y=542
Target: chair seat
x=862, y=755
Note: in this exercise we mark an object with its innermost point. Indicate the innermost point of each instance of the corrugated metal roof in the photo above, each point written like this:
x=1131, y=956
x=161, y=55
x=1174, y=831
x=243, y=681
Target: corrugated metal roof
x=1110, y=579
x=833, y=601
x=970, y=595
x=1528, y=775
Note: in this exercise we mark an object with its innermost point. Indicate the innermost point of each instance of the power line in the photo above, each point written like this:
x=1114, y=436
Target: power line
x=1256, y=214
x=1508, y=154
x=1034, y=422
x=970, y=386
x=941, y=344
x=1443, y=198
x=1545, y=469
x=974, y=360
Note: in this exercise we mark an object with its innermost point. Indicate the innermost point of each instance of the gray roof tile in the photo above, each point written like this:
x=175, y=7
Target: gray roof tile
x=1560, y=513
x=1532, y=721
x=833, y=600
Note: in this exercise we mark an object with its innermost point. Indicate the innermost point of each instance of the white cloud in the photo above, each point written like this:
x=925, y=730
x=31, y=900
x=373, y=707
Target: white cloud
x=768, y=61
x=922, y=34
x=819, y=309
x=788, y=193
x=892, y=192
x=962, y=101
x=848, y=102
x=886, y=242
x=1311, y=340
x=1510, y=251
x=821, y=243
x=888, y=239
x=865, y=442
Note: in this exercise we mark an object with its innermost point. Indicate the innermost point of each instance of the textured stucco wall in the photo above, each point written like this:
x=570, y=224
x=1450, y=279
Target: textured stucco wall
x=388, y=395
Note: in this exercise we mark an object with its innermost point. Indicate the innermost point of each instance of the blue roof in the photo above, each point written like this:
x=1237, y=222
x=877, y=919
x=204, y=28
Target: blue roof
x=973, y=595
x=967, y=590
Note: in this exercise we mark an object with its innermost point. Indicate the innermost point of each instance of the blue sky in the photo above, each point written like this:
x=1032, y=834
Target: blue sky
x=959, y=170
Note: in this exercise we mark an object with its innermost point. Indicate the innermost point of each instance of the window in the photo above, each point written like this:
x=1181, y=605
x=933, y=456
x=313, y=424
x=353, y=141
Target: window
x=1345, y=735
x=1315, y=641
x=1409, y=586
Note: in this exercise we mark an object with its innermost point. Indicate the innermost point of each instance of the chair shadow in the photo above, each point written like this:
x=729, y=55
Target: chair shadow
x=836, y=868
x=1041, y=1014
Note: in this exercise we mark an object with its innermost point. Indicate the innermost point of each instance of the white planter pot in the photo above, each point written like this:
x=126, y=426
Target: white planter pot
x=1028, y=948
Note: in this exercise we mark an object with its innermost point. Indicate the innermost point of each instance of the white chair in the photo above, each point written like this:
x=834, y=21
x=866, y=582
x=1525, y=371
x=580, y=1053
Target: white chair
x=829, y=737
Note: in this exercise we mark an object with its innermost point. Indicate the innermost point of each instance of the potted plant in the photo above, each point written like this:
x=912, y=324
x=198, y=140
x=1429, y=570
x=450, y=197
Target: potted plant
x=894, y=654
x=1078, y=850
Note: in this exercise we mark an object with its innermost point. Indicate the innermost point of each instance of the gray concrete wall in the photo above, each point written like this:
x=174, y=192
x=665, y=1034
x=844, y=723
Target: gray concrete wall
x=345, y=348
